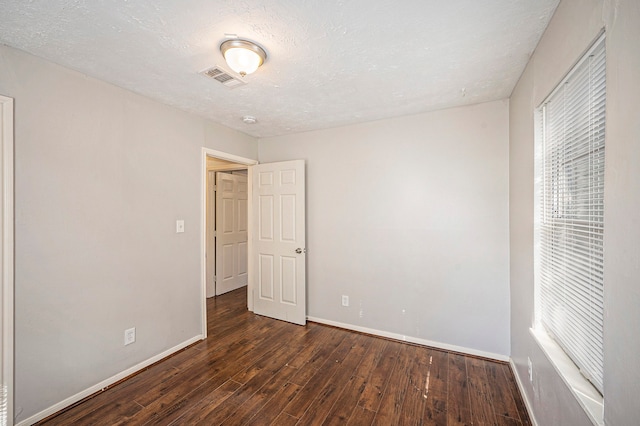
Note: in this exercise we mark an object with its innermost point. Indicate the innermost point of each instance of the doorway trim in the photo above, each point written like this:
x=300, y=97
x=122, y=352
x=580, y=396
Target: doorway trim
x=7, y=254
x=207, y=152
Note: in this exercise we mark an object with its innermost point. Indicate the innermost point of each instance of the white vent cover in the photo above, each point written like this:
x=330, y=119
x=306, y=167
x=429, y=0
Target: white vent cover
x=223, y=77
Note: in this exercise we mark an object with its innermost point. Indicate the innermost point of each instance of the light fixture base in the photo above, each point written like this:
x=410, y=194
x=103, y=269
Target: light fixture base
x=243, y=56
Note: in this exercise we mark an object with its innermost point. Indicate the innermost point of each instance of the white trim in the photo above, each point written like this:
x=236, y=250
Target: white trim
x=410, y=339
x=584, y=391
x=206, y=152
x=229, y=157
x=527, y=403
x=6, y=298
x=249, y=238
x=106, y=383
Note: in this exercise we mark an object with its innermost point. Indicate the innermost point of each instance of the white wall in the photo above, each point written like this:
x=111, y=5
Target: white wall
x=409, y=218
x=574, y=26
x=101, y=175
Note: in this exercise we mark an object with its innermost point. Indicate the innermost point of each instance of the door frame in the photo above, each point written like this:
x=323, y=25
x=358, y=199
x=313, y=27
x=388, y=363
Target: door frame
x=207, y=152
x=7, y=255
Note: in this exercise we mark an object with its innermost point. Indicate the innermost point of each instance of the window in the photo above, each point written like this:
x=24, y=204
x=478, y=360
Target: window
x=570, y=149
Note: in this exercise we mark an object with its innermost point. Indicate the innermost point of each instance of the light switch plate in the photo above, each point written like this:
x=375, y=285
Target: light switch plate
x=129, y=336
x=179, y=226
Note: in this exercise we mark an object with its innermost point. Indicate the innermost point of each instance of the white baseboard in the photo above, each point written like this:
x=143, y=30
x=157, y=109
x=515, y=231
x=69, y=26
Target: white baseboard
x=527, y=403
x=410, y=339
x=105, y=383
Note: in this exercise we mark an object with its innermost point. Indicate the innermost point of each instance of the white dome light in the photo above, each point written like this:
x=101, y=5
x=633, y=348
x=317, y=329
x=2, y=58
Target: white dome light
x=242, y=56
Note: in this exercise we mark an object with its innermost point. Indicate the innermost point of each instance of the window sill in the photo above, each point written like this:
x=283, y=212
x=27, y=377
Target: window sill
x=587, y=395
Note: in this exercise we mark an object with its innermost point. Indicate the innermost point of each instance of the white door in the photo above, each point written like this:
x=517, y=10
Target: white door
x=278, y=241
x=210, y=233
x=231, y=232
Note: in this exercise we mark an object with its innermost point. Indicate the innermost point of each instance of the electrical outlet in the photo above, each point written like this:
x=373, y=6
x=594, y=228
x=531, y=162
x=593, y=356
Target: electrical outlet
x=129, y=336
x=179, y=226
x=530, y=364
x=345, y=300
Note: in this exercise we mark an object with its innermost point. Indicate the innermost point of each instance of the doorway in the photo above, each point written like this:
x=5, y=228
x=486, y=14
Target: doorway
x=276, y=265
x=215, y=163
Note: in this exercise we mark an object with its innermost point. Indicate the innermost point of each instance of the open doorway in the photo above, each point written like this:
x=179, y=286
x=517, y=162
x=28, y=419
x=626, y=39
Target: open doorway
x=225, y=192
x=276, y=285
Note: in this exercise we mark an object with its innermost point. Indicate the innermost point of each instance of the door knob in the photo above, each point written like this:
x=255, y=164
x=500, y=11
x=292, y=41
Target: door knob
x=301, y=250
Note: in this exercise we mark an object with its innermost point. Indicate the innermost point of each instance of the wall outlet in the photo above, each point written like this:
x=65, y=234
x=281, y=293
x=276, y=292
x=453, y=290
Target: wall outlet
x=345, y=300
x=179, y=226
x=129, y=336
x=530, y=364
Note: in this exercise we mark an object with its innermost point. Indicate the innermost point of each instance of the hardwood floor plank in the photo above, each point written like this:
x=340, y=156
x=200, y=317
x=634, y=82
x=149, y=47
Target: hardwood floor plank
x=324, y=337
x=458, y=400
x=116, y=412
x=279, y=356
x=159, y=400
x=255, y=378
x=210, y=403
x=253, y=370
x=272, y=409
x=219, y=348
x=479, y=392
x=259, y=399
x=361, y=417
x=208, y=391
x=413, y=406
x=507, y=421
x=435, y=404
x=389, y=412
x=438, y=371
x=329, y=394
x=285, y=419
x=343, y=408
x=503, y=402
x=322, y=351
x=435, y=409
x=377, y=380
x=347, y=403
x=459, y=418
x=518, y=398
x=111, y=401
x=308, y=393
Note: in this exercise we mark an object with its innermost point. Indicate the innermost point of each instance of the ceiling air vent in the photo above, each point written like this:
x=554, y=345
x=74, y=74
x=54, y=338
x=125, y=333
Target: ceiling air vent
x=223, y=77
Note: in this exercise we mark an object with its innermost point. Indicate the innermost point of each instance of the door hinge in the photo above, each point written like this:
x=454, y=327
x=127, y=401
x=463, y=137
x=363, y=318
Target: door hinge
x=215, y=233
x=215, y=278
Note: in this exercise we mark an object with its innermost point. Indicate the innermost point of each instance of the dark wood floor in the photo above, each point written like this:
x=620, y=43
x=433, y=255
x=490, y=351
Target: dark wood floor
x=257, y=371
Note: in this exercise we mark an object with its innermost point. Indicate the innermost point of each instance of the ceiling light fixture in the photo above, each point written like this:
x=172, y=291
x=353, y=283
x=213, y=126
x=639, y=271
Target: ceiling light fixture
x=243, y=56
x=249, y=119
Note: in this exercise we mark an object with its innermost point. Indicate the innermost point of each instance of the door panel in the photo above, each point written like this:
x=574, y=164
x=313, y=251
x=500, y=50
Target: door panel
x=265, y=281
x=279, y=221
x=231, y=232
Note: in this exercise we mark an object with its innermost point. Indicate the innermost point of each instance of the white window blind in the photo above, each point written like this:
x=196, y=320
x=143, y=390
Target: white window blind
x=570, y=216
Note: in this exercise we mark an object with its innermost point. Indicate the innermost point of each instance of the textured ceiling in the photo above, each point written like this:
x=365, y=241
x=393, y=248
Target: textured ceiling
x=330, y=63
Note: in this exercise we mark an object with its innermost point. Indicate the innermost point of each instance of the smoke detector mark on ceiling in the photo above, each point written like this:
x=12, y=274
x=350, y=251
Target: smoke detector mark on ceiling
x=223, y=77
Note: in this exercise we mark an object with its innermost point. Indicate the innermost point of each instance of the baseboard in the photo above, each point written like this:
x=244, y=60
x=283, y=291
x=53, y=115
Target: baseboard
x=527, y=403
x=410, y=339
x=105, y=383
